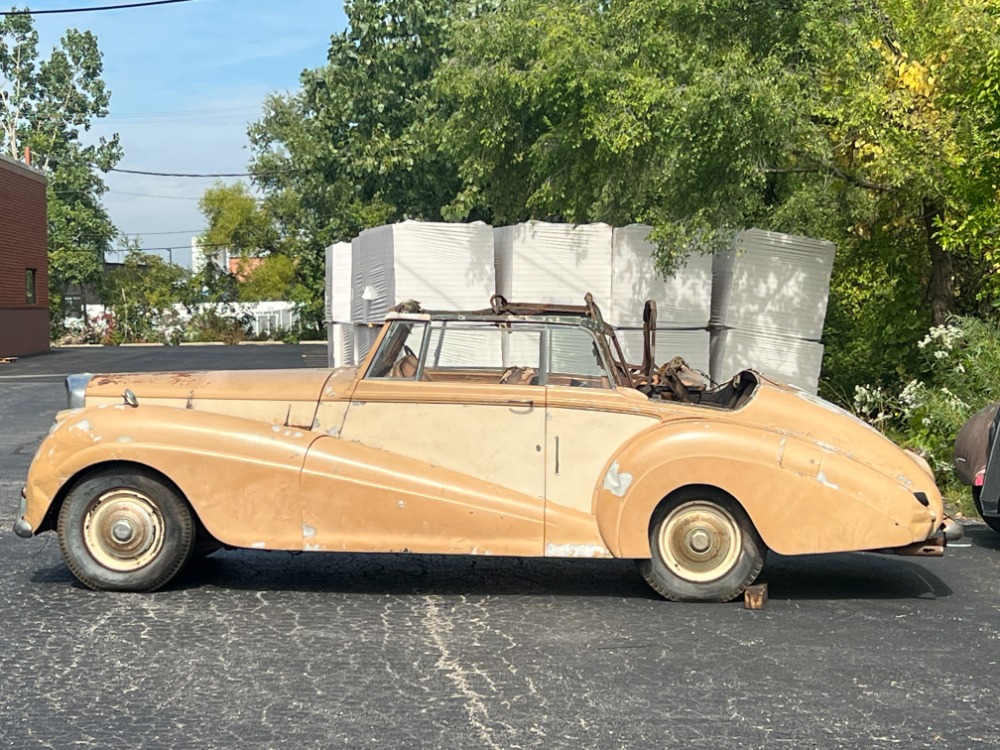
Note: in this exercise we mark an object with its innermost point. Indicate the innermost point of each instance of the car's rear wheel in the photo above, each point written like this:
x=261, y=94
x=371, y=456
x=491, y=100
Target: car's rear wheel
x=992, y=521
x=704, y=547
x=125, y=530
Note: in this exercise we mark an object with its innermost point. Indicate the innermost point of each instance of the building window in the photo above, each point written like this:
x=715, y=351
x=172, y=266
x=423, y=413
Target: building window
x=30, y=286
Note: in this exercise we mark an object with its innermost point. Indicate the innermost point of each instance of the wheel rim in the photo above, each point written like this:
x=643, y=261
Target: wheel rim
x=700, y=541
x=123, y=530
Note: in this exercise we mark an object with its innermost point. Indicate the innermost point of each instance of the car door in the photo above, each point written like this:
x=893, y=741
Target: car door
x=587, y=422
x=435, y=453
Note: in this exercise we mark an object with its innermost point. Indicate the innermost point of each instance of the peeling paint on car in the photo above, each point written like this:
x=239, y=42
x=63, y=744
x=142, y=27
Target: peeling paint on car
x=401, y=504
x=258, y=545
x=617, y=482
x=125, y=439
x=83, y=425
x=308, y=531
x=576, y=550
x=821, y=478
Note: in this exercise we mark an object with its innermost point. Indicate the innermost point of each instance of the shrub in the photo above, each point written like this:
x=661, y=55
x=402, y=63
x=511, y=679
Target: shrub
x=960, y=373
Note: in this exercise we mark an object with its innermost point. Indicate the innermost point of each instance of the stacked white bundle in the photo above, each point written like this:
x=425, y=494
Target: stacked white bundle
x=340, y=336
x=773, y=283
x=692, y=345
x=769, y=299
x=553, y=263
x=782, y=358
x=338, y=282
x=340, y=344
x=683, y=301
x=442, y=266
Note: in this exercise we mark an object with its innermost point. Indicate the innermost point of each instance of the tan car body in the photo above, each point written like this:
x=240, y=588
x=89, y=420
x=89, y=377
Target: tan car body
x=331, y=461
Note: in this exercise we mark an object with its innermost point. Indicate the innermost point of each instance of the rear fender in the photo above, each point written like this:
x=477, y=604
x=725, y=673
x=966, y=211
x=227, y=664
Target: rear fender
x=802, y=497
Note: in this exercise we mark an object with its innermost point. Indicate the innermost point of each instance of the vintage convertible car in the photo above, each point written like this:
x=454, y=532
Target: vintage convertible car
x=517, y=430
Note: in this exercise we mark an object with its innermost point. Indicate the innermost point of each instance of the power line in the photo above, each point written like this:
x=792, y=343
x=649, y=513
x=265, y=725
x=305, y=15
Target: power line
x=150, y=234
x=88, y=10
x=151, y=195
x=211, y=174
x=173, y=247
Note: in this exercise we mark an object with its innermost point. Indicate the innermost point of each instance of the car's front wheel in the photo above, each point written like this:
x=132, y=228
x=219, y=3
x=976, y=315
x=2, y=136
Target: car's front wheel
x=125, y=530
x=704, y=547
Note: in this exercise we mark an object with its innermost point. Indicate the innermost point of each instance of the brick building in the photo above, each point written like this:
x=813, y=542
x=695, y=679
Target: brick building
x=24, y=266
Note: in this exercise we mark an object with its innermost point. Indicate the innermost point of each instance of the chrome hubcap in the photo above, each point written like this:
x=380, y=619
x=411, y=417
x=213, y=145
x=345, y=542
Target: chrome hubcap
x=123, y=530
x=699, y=541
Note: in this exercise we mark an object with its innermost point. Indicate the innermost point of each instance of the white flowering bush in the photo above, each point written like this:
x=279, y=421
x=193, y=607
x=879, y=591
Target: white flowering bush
x=959, y=376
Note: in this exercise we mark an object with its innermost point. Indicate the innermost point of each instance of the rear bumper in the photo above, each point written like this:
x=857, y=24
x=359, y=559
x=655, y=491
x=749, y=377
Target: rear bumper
x=949, y=531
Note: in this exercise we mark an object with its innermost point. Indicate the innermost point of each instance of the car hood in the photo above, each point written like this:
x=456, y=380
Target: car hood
x=278, y=396
x=795, y=413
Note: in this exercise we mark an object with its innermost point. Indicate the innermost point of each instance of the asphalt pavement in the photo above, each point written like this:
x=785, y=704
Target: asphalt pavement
x=262, y=650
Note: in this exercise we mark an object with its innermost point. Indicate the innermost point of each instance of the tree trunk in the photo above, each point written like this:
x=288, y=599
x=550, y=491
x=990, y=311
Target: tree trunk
x=940, y=296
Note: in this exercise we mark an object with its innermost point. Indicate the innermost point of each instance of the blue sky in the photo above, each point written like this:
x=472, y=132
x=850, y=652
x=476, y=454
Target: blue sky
x=185, y=82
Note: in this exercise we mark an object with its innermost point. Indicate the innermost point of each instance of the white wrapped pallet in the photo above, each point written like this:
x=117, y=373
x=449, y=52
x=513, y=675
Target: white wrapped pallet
x=782, y=358
x=692, y=345
x=364, y=335
x=442, y=266
x=774, y=283
x=338, y=282
x=340, y=344
x=538, y=261
x=683, y=301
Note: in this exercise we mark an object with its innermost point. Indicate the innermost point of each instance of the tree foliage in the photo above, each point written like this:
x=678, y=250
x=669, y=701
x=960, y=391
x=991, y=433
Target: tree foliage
x=871, y=123
x=141, y=294
x=236, y=221
x=272, y=279
x=47, y=105
x=352, y=148
x=850, y=120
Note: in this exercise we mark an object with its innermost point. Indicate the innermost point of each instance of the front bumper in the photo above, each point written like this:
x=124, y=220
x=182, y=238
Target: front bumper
x=21, y=527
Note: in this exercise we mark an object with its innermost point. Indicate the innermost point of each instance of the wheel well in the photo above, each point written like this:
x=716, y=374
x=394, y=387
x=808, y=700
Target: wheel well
x=50, y=521
x=692, y=491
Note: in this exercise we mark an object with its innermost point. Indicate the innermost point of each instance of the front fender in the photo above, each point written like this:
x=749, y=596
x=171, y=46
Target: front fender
x=242, y=477
x=803, y=497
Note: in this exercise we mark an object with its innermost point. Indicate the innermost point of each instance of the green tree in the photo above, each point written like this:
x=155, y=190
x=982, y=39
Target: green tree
x=141, y=295
x=272, y=279
x=842, y=119
x=46, y=105
x=237, y=221
x=352, y=148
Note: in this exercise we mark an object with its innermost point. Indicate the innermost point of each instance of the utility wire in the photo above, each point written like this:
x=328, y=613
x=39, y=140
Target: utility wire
x=211, y=174
x=173, y=247
x=87, y=10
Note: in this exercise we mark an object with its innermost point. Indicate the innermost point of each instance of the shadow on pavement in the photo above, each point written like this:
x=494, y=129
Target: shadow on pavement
x=851, y=575
x=848, y=576
x=981, y=535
